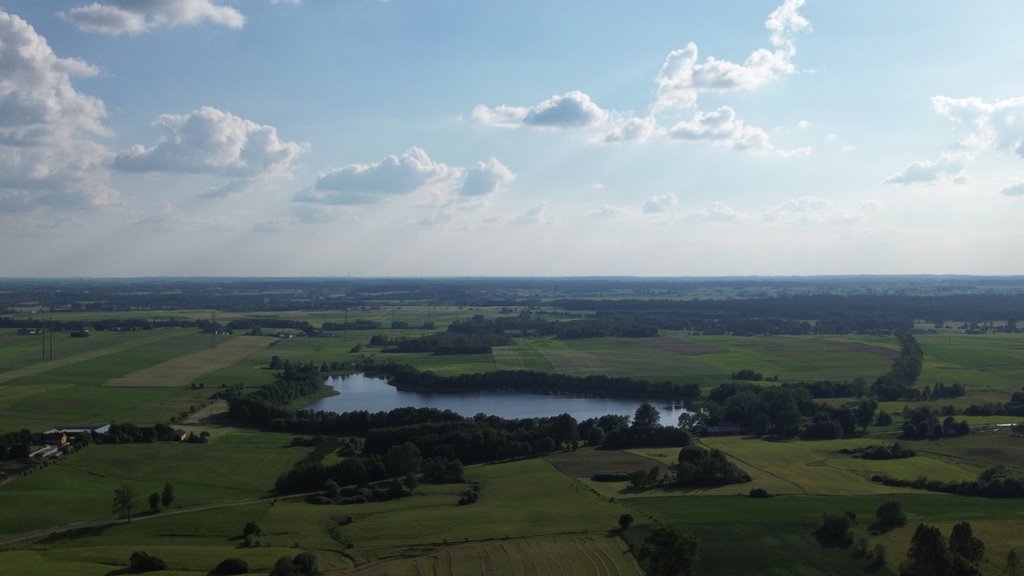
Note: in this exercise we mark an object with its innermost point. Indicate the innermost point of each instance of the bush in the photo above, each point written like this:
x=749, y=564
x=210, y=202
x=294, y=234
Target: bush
x=759, y=493
x=232, y=566
x=142, y=562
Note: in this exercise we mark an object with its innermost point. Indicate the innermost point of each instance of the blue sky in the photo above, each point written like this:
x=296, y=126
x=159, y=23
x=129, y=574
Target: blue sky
x=400, y=138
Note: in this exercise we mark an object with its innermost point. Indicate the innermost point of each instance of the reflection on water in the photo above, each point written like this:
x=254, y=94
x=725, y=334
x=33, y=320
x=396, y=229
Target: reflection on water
x=360, y=392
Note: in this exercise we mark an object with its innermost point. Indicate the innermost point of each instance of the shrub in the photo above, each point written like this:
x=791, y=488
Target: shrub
x=232, y=566
x=759, y=493
x=142, y=562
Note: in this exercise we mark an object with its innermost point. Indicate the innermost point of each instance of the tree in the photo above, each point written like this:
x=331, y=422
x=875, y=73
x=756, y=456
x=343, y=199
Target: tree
x=1014, y=565
x=646, y=417
x=889, y=515
x=167, y=498
x=927, y=555
x=670, y=551
x=251, y=529
x=124, y=501
x=306, y=563
x=402, y=459
x=625, y=521
x=154, y=501
x=596, y=436
x=331, y=489
x=964, y=544
x=760, y=424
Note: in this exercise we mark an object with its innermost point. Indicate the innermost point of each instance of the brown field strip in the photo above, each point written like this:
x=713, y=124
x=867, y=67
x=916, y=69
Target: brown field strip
x=183, y=370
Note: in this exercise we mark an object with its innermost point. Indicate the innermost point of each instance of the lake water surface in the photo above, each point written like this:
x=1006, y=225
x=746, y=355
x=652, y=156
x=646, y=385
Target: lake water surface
x=360, y=392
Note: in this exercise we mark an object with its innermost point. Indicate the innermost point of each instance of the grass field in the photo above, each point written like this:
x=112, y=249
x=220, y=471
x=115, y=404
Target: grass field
x=236, y=466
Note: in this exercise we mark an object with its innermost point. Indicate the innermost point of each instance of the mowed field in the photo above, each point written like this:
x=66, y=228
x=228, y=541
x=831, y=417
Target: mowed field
x=183, y=370
x=141, y=377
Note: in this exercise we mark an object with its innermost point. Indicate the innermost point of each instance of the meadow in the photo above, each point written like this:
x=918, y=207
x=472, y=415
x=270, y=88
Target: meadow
x=534, y=516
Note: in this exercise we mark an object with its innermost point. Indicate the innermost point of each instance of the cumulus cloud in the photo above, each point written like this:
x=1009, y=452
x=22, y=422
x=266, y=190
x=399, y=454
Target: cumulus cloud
x=723, y=127
x=571, y=110
x=986, y=126
x=923, y=171
x=991, y=125
x=49, y=155
x=136, y=16
x=1014, y=190
x=412, y=171
x=660, y=203
x=396, y=175
x=486, y=178
x=682, y=78
x=627, y=128
x=211, y=141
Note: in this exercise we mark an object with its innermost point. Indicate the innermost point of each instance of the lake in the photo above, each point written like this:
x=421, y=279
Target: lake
x=360, y=392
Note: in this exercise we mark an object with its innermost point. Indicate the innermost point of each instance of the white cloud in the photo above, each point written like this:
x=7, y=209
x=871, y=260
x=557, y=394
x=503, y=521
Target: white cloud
x=716, y=212
x=682, y=78
x=660, y=203
x=923, y=171
x=211, y=141
x=627, y=128
x=724, y=128
x=396, y=175
x=803, y=124
x=1014, y=190
x=998, y=125
x=486, y=178
x=136, y=16
x=48, y=152
x=607, y=212
x=571, y=110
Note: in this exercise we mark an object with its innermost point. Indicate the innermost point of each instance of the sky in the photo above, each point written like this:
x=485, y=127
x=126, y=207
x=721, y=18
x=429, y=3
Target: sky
x=530, y=138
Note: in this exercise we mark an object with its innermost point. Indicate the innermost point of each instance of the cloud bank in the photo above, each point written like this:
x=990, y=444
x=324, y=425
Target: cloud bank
x=48, y=153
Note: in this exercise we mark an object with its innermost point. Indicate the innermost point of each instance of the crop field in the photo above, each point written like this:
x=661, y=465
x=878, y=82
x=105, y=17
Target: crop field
x=544, y=556
x=183, y=370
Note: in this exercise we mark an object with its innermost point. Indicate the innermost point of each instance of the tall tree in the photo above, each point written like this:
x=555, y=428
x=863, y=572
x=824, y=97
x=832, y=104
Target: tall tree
x=928, y=555
x=124, y=501
x=965, y=545
x=167, y=498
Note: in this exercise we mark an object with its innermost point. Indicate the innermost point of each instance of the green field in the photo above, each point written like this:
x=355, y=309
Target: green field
x=535, y=516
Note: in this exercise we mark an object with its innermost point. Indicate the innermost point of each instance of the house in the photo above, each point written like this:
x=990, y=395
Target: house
x=56, y=438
